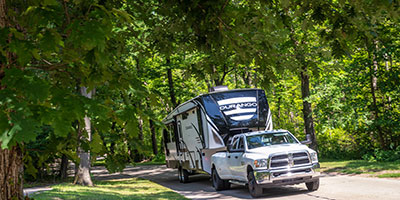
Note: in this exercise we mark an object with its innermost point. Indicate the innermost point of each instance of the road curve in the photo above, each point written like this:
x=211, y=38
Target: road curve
x=331, y=187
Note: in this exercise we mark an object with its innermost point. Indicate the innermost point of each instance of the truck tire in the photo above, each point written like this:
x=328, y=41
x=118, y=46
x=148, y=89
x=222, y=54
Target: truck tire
x=183, y=175
x=313, y=186
x=227, y=185
x=255, y=190
x=217, y=182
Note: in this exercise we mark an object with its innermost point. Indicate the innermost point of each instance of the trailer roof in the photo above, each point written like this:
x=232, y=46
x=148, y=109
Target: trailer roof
x=179, y=110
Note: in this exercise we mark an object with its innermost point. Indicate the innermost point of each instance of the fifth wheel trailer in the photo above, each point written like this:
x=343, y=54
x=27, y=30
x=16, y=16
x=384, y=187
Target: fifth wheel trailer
x=205, y=124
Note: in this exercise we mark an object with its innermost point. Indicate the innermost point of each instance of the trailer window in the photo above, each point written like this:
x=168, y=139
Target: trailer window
x=172, y=132
x=180, y=129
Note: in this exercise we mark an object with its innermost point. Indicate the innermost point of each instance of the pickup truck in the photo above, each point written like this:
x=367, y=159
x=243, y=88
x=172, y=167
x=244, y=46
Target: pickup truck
x=265, y=159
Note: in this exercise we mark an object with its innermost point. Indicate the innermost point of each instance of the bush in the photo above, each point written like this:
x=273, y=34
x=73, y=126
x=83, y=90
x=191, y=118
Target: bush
x=383, y=155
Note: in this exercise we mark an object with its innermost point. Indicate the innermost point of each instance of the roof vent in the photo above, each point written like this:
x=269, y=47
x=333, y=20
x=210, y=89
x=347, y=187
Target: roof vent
x=219, y=88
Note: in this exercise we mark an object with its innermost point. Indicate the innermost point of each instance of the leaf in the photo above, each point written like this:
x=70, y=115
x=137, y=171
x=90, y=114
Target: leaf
x=4, y=125
x=8, y=135
x=96, y=145
x=50, y=2
x=132, y=128
x=29, y=129
x=61, y=127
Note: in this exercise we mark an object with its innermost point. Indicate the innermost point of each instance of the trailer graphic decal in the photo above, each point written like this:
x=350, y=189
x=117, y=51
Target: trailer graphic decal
x=243, y=108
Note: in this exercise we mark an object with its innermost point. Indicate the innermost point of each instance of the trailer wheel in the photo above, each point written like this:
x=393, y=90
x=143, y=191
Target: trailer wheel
x=183, y=175
x=254, y=189
x=217, y=182
x=313, y=186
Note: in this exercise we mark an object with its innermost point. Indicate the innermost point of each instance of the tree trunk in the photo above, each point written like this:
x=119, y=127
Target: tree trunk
x=153, y=137
x=171, y=85
x=279, y=111
x=11, y=164
x=375, y=109
x=307, y=110
x=83, y=175
x=64, y=167
x=11, y=173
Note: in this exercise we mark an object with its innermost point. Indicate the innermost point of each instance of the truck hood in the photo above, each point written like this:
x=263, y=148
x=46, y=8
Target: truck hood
x=282, y=148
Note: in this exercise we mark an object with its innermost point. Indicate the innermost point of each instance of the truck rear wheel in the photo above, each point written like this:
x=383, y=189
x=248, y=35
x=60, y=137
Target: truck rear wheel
x=183, y=175
x=218, y=183
x=313, y=186
x=255, y=190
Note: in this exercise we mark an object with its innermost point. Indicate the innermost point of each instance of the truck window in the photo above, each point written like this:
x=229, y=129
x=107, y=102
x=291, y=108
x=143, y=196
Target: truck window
x=268, y=139
x=241, y=143
x=235, y=143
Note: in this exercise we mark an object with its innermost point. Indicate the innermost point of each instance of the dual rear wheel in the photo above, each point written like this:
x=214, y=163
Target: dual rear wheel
x=183, y=175
x=218, y=183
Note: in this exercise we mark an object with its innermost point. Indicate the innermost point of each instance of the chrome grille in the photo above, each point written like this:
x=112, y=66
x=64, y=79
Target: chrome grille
x=291, y=159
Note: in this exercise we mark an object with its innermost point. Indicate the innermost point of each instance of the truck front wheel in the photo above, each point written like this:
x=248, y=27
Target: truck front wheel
x=254, y=189
x=313, y=186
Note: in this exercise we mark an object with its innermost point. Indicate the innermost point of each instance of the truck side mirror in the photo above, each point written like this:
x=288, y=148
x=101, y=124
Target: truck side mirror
x=308, y=141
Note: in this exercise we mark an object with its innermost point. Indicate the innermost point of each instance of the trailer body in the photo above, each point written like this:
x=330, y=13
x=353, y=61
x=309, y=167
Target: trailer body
x=202, y=126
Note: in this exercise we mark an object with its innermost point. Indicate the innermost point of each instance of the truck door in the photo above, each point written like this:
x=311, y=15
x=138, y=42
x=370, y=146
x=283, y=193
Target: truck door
x=236, y=164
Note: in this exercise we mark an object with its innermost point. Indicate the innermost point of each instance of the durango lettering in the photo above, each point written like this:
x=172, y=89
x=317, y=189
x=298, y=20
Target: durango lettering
x=239, y=105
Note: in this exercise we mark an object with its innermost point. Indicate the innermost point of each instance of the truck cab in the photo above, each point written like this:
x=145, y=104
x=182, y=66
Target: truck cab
x=265, y=159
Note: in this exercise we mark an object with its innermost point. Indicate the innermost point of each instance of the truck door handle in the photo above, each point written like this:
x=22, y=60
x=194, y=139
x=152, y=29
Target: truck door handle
x=236, y=157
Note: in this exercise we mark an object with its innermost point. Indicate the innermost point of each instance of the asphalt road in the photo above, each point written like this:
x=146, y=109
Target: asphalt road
x=331, y=187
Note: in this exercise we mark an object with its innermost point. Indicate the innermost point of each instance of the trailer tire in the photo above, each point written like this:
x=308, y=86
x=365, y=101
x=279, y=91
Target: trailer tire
x=183, y=175
x=255, y=190
x=313, y=186
x=217, y=182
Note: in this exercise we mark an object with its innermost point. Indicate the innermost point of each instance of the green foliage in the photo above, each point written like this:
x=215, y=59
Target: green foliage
x=383, y=155
x=125, y=49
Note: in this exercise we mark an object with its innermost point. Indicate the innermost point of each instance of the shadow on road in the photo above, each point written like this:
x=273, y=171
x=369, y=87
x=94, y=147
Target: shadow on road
x=199, y=187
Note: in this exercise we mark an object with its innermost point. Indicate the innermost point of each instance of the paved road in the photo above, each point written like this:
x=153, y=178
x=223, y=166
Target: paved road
x=331, y=187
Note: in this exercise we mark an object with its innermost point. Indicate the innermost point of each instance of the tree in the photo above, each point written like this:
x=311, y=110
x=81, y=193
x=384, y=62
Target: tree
x=46, y=46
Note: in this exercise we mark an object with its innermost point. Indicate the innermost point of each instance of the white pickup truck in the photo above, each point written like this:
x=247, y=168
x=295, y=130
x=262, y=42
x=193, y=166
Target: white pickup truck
x=265, y=159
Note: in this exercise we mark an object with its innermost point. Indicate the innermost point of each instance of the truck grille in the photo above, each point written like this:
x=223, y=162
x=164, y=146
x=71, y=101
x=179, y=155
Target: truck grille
x=291, y=159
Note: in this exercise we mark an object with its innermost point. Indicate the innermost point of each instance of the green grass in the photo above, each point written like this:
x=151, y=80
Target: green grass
x=131, y=188
x=358, y=167
x=46, y=181
x=151, y=163
x=103, y=163
x=389, y=175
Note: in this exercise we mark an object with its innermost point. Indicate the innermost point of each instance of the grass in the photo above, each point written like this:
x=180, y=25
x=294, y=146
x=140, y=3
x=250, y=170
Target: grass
x=389, y=175
x=150, y=163
x=132, y=188
x=46, y=181
x=379, y=169
x=103, y=163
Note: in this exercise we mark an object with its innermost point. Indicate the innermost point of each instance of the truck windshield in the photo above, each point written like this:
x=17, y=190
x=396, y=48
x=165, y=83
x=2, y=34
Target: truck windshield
x=268, y=139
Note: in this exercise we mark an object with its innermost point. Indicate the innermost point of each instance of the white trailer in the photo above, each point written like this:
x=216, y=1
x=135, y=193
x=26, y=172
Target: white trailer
x=205, y=124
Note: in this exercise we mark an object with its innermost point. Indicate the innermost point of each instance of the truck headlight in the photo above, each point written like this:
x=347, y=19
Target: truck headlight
x=261, y=163
x=314, y=157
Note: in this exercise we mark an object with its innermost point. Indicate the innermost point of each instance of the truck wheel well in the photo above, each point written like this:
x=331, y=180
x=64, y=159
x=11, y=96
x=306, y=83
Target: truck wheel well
x=249, y=169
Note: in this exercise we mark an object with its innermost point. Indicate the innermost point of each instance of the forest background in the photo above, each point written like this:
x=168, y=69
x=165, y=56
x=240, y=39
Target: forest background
x=82, y=79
